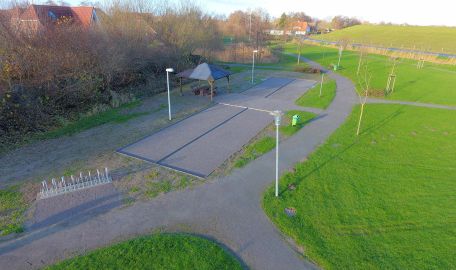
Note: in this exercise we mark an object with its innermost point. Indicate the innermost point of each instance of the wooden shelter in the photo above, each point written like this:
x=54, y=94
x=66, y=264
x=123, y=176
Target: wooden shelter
x=205, y=72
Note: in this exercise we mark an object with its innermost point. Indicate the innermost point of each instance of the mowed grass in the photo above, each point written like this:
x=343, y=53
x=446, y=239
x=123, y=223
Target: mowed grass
x=383, y=200
x=158, y=251
x=114, y=115
x=12, y=208
x=433, y=84
x=432, y=38
x=255, y=150
x=287, y=129
x=313, y=99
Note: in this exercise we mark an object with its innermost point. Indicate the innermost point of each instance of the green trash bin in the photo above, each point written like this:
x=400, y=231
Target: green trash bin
x=295, y=120
x=336, y=67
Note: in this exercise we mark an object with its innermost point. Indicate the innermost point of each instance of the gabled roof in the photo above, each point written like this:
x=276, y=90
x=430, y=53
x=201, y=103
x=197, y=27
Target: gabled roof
x=208, y=72
x=46, y=14
x=300, y=25
x=185, y=74
x=84, y=15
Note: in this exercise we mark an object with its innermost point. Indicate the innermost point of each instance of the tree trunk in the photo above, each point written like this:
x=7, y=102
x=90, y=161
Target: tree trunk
x=360, y=118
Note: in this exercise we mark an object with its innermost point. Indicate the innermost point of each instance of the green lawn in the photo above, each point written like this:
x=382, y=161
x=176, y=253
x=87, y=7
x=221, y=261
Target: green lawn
x=432, y=38
x=433, y=84
x=383, y=200
x=114, y=115
x=158, y=251
x=12, y=208
x=255, y=150
x=313, y=99
x=287, y=129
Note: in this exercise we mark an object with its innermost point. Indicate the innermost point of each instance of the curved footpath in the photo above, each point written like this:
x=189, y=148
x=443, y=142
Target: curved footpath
x=411, y=103
x=227, y=209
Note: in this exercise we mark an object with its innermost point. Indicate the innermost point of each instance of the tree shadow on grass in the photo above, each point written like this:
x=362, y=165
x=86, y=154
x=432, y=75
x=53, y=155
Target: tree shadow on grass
x=369, y=130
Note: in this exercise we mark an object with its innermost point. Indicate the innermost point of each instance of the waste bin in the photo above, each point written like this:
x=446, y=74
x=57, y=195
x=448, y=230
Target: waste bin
x=295, y=120
x=336, y=67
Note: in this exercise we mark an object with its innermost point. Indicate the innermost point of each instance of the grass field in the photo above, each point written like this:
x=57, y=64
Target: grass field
x=430, y=38
x=313, y=99
x=12, y=208
x=433, y=84
x=159, y=251
x=383, y=200
x=114, y=115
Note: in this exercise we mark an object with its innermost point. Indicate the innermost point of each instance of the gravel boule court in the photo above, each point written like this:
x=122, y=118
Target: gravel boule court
x=198, y=144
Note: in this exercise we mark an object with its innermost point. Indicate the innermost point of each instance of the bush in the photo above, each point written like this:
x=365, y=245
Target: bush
x=56, y=75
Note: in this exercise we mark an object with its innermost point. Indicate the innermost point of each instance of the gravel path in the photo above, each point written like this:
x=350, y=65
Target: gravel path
x=227, y=209
x=199, y=144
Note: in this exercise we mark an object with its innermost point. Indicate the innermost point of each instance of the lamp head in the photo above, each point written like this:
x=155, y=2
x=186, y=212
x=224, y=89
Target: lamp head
x=255, y=51
x=277, y=117
x=169, y=70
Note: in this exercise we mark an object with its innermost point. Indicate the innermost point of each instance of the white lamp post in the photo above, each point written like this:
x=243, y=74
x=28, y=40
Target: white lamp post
x=253, y=62
x=168, y=70
x=277, y=118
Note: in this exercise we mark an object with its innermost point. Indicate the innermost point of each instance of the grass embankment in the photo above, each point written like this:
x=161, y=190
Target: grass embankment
x=432, y=38
x=114, y=115
x=12, y=208
x=313, y=99
x=432, y=84
x=263, y=144
x=382, y=200
x=158, y=251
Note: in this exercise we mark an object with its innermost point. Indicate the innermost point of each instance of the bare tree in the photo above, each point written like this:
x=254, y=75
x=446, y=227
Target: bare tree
x=364, y=80
x=392, y=76
x=300, y=43
x=362, y=53
x=342, y=44
x=65, y=70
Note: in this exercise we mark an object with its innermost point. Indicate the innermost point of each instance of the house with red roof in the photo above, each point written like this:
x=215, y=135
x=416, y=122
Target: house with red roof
x=36, y=18
x=300, y=28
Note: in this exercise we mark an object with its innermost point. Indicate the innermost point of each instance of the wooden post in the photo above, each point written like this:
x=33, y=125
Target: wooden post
x=229, y=87
x=211, y=83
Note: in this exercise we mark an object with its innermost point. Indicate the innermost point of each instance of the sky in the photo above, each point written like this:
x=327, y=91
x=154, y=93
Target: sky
x=414, y=12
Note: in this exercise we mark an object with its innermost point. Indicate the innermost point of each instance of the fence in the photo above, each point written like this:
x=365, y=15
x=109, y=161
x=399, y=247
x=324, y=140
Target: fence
x=57, y=187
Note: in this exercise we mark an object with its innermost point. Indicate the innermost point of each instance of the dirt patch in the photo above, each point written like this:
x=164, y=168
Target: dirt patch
x=376, y=93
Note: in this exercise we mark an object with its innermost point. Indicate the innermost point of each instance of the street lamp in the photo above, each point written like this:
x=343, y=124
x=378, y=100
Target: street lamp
x=168, y=70
x=253, y=62
x=277, y=118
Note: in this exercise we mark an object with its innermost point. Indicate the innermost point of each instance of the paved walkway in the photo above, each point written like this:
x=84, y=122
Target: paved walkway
x=419, y=104
x=227, y=209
